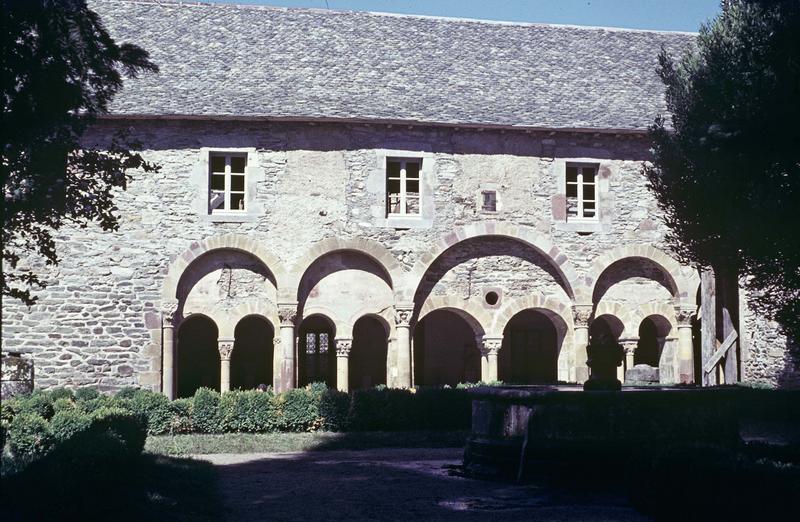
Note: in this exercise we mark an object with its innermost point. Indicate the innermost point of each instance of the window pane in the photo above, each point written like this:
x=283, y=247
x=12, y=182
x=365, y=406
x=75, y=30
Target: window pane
x=216, y=200
x=393, y=169
x=217, y=163
x=588, y=213
x=311, y=342
x=588, y=191
x=323, y=343
x=393, y=204
x=237, y=201
x=412, y=205
x=393, y=186
x=237, y=183
x=412, y=169
x=572, y=190
x=588, y=205
x=237, y=164
x=588, y=174
x=572, y=174
x=412, y=186
x=572, y=207
x=490, y=201
x=218, y=182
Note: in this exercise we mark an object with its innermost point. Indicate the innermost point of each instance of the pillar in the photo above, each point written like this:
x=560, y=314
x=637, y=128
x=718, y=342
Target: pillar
x=490, y=349
x=168, y=310
x=225, y=347
x=402, y=318
x=581, y=314
x=343, y=363
x=629, y=345
x=685, y=356
x=285, y=378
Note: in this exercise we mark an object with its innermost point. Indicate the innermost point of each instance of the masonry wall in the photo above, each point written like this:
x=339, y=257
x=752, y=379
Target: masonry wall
x=97, y=322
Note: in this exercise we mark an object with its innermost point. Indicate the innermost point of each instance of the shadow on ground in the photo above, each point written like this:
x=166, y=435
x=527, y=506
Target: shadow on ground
x=395, y=484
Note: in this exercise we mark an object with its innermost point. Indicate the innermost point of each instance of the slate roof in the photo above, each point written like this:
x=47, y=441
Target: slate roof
x=252, y=61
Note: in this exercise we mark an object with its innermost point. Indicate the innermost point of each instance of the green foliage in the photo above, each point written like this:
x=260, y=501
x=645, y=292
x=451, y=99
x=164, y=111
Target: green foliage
x=67, y=423
x=29, y=435
x=60, y=68
x=38, y=403
x=205, y=411
x=333, y=410
x=115, y=434
x=155, y=407
x=86, y=394
x=298, y=409
x=63, y=404
x=61, y=393
x=8, y=408
x=727, y=171
x=99, y=401
x=181, y=416
x=126, y=393
x=248, y=411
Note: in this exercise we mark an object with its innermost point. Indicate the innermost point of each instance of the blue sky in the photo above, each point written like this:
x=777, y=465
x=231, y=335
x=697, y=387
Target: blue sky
x=670, y=15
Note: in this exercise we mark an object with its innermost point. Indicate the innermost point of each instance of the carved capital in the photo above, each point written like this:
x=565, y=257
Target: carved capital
x=683, y=314
x=169, y=307
x=225, y=348
x=581, y=313
x=287, y=315
x=629, y=345
x=491, y=345
x=276, y=341
x=343, y=347
x=402, y=317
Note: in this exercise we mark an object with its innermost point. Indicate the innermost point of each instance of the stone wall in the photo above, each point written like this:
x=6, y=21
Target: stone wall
x=99, y=320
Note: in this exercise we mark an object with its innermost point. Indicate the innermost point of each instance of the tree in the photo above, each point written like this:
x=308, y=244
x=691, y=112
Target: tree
x=726, y=172
x=60, y=69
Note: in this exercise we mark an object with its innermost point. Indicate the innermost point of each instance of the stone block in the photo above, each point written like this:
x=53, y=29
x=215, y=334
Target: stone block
x=642, y=373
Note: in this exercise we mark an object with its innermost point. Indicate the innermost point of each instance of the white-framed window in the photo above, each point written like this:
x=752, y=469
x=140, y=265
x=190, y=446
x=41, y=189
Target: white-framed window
x=489, y=201
x=581, y=181
x=227, y=182
x=403, y=196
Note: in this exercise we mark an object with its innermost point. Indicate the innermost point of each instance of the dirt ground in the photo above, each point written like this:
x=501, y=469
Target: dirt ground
x=392, y=484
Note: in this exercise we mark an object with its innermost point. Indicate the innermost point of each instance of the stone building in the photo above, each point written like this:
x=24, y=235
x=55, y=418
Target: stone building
x=366, y=199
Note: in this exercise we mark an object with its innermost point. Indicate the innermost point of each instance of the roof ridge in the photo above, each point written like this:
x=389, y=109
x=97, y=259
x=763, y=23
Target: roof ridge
x=197, y=3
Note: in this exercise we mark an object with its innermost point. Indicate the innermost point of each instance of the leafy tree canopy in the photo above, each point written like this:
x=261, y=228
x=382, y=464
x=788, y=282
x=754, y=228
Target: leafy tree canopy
x=726, y=172
x=58, y=70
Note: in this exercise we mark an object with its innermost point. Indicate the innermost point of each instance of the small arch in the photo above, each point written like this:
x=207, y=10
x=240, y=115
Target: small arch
x=253, y=350
x=198, y=362
x=474, y=315
x=557, y=259
x=368, y=354
x=532, y=344
x=316, y=350
x=446, y=347
x=606, y=325
x=367, y=247
x=653, y=333
x=536, y=302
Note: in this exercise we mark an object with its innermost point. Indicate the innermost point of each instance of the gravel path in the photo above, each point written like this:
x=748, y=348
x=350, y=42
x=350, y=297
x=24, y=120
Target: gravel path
x=391, y=484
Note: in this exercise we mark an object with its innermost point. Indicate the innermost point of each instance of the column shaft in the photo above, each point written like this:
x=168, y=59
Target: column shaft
x=581, y=342
x=403, y=356
x=343, y=364
x=287, y=358
x=168, y=363
x=225, y=347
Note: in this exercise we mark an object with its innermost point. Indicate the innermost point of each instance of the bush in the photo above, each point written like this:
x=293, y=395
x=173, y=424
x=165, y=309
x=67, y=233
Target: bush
x=8, y=409
x=248, y=411
x=205, y=411
x=61, y=393
x=29, y=435
x=126, y=393
x=333, y=410
x=68, y=423
x=63, y=404
x=381, y=409
x=38, y=403
x=98, y=402
x=181, y=416
x=154, y=407
x=298, y=409
x=86, y=394
x=117, y=434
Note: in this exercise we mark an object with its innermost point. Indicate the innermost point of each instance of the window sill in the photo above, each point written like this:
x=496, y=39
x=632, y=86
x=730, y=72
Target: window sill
x=231, y=218
x=401, y=221
x=577, y=225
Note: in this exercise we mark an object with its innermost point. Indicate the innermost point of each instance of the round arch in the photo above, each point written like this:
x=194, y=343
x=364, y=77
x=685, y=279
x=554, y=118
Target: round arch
x=478, y=318
x=534, y=348
x=558, y=259
x=372, y=249
x=682, y=285
x=549, y=305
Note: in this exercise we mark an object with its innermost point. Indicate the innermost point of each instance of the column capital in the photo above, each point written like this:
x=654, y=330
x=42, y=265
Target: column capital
x=491, y=345
x=581, y=313
x=225, y=347
x=287, y=313
x=169, y=307
x=402, y=315
x=343, y=347
x=683, y=314
x=629, y=344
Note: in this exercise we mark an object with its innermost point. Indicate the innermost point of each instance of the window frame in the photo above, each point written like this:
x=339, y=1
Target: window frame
x=580, y=201
x=403, y=194
x=227, y=191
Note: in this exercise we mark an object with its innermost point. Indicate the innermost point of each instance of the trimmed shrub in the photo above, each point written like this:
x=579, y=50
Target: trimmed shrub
x=298, y=409
x=8, y=409
x=68, y=423
x=99, y=401
x=86, y=394
x=117, y=434
x=181, y=416
x=334, y=406
x=29, y=435
x=37, y=402
x=155, y=408
x=248, y=411
x=61, y=393
x=205, y=411
x=126, y=393
x=63, y=404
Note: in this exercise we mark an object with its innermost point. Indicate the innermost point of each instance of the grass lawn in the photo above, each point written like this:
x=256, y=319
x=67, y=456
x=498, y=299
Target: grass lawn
x=198, y=444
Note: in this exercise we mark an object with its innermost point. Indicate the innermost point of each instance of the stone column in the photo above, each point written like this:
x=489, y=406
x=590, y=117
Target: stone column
x=685, y=357
x=168, y=310
x=581, y=314
x=629, y=345
x=343, y=363
x=225, y=347
x=491, y=347
x=287, y=314
x=402, y=319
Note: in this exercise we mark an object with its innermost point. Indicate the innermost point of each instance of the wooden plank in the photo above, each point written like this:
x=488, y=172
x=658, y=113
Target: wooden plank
x=724, y=347
x=708, y=322
x=730, y=307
